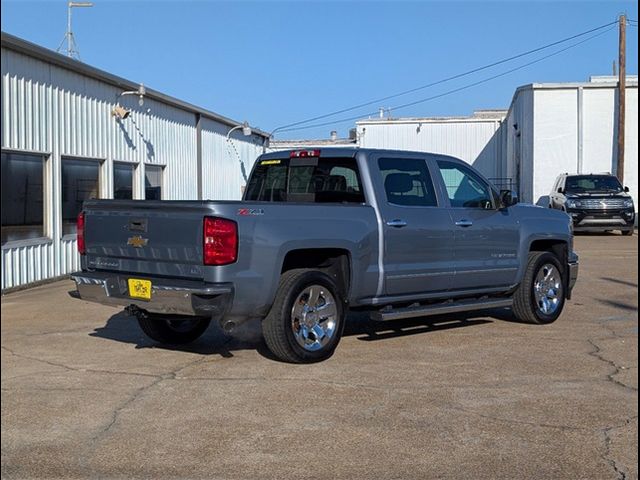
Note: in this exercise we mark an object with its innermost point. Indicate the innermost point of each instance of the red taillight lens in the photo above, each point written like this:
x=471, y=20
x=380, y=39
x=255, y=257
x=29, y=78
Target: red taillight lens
x=304, y=153
x=220, y=241
x=80, y=231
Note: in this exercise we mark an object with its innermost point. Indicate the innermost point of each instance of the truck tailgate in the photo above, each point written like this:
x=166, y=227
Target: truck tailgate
x=145, y=237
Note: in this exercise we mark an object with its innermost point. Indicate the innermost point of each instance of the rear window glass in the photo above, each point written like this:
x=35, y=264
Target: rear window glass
x=314, y=180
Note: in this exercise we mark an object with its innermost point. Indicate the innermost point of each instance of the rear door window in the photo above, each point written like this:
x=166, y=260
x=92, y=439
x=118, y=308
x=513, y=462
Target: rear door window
x=306, y=180
x=407, y=182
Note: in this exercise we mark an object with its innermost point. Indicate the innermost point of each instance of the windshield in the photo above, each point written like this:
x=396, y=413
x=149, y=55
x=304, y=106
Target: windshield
x=593, y=183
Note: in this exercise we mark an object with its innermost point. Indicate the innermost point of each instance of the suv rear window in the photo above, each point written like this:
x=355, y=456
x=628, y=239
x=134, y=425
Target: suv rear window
x=306, y=180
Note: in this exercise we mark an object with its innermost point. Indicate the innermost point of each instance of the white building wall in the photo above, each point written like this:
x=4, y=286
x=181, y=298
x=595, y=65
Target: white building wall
x=555, y=145
x=599, y=147
x=467, y=139
x=58, y=112
x=566, y=128
x=631, y=144
x=515, y=160
x=226, y=164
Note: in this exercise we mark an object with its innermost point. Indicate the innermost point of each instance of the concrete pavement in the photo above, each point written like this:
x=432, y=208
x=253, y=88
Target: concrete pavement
x=85, y=394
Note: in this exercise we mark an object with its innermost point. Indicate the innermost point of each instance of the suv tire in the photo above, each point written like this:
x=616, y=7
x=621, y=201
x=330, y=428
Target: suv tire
x=307, y=317
x=541, y=296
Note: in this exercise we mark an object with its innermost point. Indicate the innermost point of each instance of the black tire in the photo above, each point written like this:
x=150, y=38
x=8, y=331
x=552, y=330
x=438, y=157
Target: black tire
x=277, y=327
x=173, y=329
x=627, y=233
x=525, y=306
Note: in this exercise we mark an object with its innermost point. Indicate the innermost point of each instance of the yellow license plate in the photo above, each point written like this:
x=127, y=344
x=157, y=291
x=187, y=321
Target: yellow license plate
x=139, y=288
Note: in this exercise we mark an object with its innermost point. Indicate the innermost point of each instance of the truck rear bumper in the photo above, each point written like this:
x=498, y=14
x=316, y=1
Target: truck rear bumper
x=183, y=297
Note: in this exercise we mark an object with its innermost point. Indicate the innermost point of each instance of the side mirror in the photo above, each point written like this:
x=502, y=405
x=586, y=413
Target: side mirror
x=561, y=190
x=626, y=189
x=507, y=198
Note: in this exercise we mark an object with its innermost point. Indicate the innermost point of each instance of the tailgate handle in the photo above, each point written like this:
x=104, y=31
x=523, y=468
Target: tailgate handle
x=139, y=225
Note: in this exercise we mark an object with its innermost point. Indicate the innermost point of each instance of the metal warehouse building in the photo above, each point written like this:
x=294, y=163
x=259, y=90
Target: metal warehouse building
x=549, y=129
x=61, y=144
x=552, y=128
x=473, y=139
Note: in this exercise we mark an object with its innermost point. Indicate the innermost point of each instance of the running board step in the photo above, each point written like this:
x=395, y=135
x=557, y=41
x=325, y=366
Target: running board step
x=440, y=309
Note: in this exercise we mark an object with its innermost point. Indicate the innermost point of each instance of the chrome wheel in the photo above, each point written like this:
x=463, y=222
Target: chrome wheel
x=547, y=289
x=314, y=318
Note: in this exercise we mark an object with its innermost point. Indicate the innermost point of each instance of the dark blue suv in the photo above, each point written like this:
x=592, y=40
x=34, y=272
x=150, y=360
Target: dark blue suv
x=596, y=202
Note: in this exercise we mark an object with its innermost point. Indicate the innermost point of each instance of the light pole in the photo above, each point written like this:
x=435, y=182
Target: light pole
x=246, y=131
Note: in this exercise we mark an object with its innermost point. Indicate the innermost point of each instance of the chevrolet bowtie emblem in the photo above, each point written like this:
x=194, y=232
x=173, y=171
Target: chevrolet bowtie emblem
x=137, y=241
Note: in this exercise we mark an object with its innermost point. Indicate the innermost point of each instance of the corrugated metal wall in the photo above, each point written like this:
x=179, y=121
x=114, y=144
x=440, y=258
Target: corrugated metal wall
x=470, y=140
x=58, y=112
x=223, y=163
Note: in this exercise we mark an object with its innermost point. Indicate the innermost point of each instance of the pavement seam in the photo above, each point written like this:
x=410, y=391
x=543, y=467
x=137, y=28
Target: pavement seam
x=105, y=430
x=77, y=369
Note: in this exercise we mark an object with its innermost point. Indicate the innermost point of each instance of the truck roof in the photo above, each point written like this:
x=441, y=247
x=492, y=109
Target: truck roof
x=350, y=152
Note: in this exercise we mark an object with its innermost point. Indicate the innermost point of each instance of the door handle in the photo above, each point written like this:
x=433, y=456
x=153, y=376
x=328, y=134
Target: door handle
x=397, y=223
x=464, y=223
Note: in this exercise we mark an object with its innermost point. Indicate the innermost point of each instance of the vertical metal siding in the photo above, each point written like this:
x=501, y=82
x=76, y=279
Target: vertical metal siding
x=222, y=175
x=49, y=109
x=468, y=140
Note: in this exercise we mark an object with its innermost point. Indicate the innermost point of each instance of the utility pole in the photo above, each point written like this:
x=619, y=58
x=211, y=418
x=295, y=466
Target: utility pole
x=622, y=85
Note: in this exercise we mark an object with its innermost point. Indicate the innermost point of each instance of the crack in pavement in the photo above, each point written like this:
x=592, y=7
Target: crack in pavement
x=597, y=353
x=77, y=369
x=619, y=469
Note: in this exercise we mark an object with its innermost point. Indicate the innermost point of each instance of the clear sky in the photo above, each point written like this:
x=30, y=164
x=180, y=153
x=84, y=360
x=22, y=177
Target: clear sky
x=274, y=63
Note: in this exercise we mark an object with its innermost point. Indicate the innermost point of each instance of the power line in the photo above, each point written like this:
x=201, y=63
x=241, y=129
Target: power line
x=444, y=80
x=455, y=90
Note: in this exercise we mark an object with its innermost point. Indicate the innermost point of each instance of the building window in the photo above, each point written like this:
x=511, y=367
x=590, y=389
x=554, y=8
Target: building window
x=153, y=182
x=123, y=181
x=80, y=182
x=22, y=196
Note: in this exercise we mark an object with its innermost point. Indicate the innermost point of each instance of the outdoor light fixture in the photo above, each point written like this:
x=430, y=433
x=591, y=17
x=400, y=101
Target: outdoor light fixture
x=246, y=131
x=120, y=112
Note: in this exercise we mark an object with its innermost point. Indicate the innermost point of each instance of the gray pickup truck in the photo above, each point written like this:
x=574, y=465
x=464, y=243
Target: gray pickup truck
x=401, y=234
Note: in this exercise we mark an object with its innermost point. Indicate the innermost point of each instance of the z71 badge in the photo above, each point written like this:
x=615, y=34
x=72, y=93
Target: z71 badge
x=250, y=211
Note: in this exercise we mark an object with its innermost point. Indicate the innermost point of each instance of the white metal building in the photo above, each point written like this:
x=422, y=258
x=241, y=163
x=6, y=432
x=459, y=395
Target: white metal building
x=552, y=128
x=549, y=129
x=62, y=145
x=472, y=139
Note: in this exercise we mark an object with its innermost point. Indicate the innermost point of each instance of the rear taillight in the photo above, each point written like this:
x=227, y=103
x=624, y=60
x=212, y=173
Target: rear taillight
x=220, y=241
x=80, y=231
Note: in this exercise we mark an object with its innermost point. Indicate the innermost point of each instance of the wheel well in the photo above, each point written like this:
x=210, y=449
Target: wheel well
x=558, y=247
x=335, y=262
x=561, y=250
